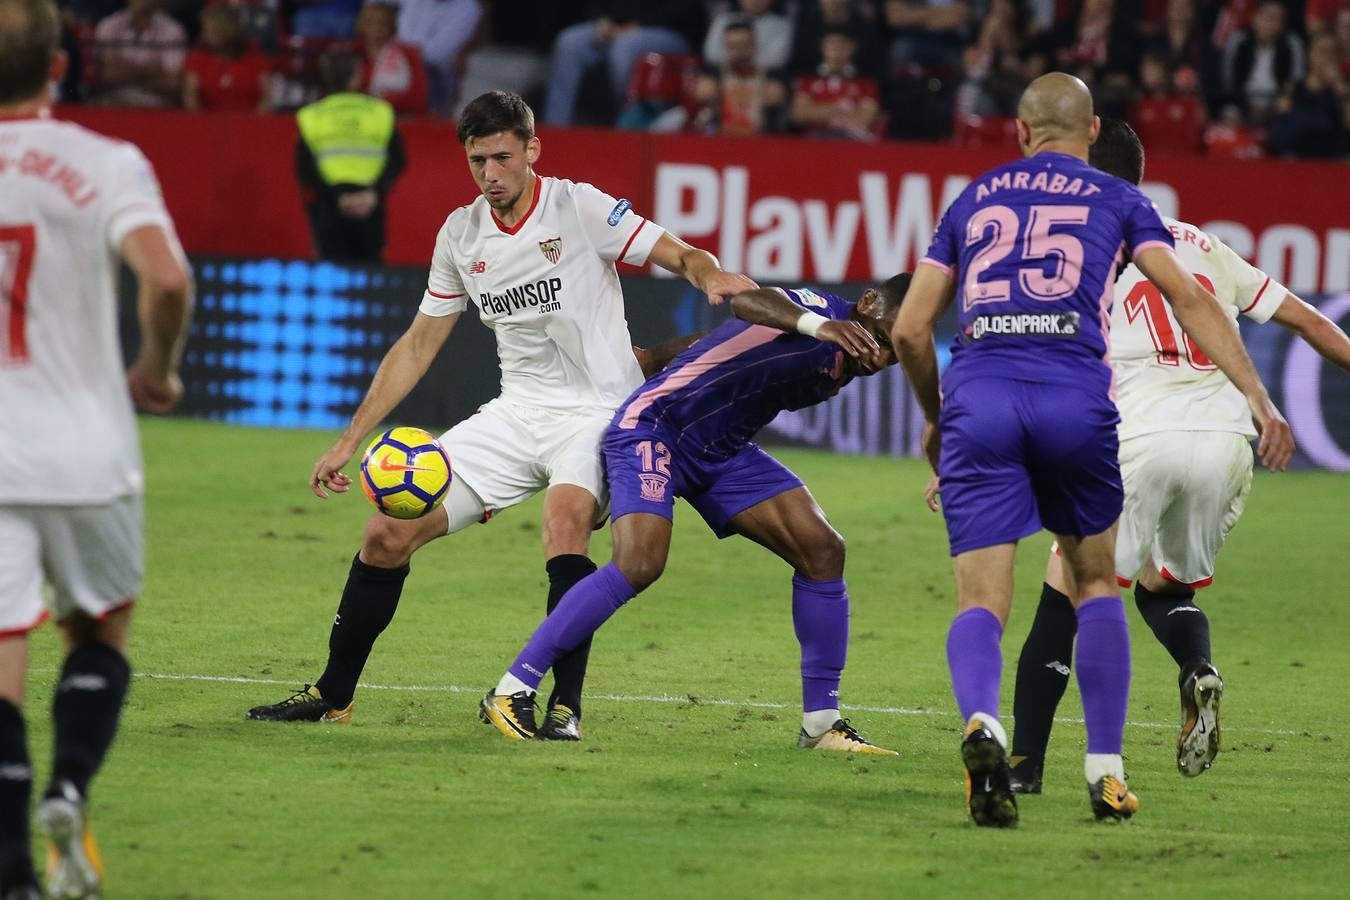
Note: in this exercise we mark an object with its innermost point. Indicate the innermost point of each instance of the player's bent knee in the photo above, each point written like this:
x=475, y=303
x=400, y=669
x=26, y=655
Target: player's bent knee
x=389, y=543
x=823, y=557
x=640, y=569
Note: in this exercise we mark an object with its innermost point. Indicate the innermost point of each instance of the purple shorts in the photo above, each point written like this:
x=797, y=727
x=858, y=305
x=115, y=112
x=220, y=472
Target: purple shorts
x=1018, y=456
x=645, y=475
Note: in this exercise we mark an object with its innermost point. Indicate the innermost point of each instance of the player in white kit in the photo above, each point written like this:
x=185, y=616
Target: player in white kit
x=1186, y=465
x=536, y=256
x=71, y=204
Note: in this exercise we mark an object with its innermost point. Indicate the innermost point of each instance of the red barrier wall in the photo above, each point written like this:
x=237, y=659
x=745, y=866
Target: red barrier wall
x=782, y=209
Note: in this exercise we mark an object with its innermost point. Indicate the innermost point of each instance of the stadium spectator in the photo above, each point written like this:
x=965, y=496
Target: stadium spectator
x=615, y=34
x=441, y=31
x=739, y=97
x=347, y=158
x=225, y=71
x=836, y=101
x=995, y=63
x=1170, y=120
x=1262, y=62
x=1100, y=38
x=1321, y=15
x=1181, y=42
x=927, y=32
x=324, y=18
x=1343, y=39
x=140, y=56
x=858, y=17
x=772, y=34
x=390, y=69
x=1314, y=114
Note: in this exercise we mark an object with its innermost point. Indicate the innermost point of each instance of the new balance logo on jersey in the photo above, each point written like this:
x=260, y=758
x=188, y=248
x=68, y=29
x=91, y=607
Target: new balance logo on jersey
x=1058, y=667
x=477, y=267
x=541, y=296
x=1023, y=324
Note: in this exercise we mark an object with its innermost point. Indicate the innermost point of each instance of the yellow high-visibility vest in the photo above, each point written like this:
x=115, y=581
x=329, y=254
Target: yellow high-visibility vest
x=349, y=136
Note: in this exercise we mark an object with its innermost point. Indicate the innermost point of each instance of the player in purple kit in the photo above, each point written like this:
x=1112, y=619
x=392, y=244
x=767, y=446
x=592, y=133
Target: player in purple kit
x=687, y=432
x=1023, y=430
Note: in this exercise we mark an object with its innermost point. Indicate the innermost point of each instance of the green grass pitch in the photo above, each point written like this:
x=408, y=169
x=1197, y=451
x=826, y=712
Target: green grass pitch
x=688, y=782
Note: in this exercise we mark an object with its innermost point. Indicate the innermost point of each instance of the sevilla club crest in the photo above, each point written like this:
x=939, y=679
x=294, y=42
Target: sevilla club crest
x=552, y=249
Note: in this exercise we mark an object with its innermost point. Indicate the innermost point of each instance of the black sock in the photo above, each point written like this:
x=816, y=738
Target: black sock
x=570, y=670
x=1042, y=675
x=367, y=608
x=88, y=703
x=1179, y=624
x=16, y=792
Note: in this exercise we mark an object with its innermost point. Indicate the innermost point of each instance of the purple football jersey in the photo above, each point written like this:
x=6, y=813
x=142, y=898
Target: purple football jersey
x=1035, y=246
x=712, y=398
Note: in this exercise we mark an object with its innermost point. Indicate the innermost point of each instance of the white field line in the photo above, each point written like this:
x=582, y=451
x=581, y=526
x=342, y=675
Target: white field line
x=650, y=698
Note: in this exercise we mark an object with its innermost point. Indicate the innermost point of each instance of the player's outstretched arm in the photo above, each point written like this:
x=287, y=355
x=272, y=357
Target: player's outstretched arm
x=1322, y=334
x=656, y=357
x=402, y=367
x=930, y=291
x=1204, y=320
x=699, y=267
x=768, y=306
x=164, y=307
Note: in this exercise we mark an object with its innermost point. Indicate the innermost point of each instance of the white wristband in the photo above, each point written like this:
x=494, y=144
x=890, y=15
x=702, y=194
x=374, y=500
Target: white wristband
x=810, y=323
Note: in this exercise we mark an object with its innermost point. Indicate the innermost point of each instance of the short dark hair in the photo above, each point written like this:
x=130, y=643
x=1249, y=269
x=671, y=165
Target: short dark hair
x=892, y=290
x=1118, y=151
x=739, y=25
x=337, y=67
x=30, y=33
x=495, y=112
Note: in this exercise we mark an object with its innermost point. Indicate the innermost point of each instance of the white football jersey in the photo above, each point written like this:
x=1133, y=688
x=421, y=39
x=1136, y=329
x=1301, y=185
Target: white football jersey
x=1163, y=381
x=548, y=288
x=68, y=197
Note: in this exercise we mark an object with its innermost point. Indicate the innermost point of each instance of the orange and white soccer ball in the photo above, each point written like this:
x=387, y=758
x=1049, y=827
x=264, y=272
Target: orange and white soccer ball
x=406, y=472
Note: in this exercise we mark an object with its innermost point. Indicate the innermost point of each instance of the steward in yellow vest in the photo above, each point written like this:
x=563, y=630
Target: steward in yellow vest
x=347, y=157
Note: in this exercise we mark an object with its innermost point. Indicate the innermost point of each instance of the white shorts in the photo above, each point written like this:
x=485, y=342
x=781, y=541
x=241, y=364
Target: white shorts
x=508, y=452
x=92, y=556
x=1184, y=491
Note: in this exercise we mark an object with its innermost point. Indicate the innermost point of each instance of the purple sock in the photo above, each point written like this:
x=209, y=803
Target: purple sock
x=582, y=610
x=976, y=661
x=820, y=618
x=1103, y=666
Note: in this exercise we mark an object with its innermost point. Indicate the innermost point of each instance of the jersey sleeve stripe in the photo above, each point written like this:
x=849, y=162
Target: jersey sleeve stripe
x=623, y=254
x=943, y=267
x=1264, y=285
x=444, y=296
x=1149, y=245
x=749, y=339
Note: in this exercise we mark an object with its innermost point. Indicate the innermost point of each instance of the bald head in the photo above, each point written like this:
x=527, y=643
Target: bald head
x=1056, y=108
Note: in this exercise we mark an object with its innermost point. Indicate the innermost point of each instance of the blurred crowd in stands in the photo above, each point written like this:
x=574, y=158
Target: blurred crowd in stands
x=1232, y=78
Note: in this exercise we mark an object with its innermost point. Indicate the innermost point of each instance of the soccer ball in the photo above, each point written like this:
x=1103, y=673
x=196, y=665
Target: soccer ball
x=405, y=473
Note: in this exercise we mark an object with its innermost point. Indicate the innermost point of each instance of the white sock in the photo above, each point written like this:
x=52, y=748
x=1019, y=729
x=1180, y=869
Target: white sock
x=1098, y=765
x=994, y=726
x=818, y=721
x=510, y=684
